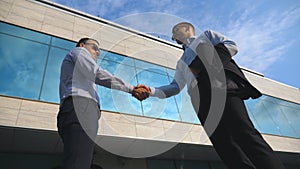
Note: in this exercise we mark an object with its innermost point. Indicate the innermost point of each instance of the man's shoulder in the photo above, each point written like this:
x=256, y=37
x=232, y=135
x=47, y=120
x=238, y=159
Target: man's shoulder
x=79, y=50
x=209, y=33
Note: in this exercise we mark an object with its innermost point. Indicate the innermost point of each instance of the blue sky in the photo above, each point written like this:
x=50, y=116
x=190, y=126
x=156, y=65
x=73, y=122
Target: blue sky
x=266, y=31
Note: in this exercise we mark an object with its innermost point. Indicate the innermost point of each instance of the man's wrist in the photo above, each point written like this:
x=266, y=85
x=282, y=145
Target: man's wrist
x=130, y=89
x=152, y=93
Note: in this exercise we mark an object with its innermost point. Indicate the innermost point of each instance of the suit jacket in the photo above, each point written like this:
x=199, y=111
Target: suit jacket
x=236, y=82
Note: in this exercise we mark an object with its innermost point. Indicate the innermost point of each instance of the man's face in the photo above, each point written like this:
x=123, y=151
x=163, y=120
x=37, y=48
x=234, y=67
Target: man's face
x=93, y=48
x=180, y=33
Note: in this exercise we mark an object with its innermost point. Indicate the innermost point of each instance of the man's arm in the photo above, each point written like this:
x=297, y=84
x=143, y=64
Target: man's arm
x=106, y=79
x=166, y=91
x=216, y=38
x=175, y=86
x=91, y=70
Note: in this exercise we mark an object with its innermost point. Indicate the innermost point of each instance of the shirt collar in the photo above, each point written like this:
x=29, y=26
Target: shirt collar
x=191, y=39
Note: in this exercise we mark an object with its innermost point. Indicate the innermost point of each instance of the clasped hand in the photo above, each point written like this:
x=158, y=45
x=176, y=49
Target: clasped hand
x=141, y=92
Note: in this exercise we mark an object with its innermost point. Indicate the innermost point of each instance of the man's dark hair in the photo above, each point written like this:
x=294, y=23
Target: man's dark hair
x=83, y=40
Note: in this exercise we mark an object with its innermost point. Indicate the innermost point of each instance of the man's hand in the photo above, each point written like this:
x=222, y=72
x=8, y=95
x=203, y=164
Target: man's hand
x=141, y=92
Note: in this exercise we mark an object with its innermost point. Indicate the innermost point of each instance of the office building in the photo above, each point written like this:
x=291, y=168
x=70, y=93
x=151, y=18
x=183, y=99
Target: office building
x=153, y=134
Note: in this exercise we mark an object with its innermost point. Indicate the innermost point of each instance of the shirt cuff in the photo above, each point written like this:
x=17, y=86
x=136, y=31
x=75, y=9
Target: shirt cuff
x=130, y=89
x=152, y=91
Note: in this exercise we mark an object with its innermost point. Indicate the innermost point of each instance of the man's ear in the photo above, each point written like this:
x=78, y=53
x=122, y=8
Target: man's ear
x=187, y=28
x=81, y=44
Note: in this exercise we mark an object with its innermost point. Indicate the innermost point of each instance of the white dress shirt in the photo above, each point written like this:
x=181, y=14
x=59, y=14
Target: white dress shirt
x=183, y=76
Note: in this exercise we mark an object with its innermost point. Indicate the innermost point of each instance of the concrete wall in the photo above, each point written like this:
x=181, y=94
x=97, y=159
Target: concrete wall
x=127, y=131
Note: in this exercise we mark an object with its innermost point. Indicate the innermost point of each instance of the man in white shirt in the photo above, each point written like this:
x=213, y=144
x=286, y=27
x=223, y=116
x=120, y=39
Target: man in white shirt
x=218, y=88
x=78, y=115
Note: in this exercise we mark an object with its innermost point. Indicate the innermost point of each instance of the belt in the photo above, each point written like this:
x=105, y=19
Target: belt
x=70, y=98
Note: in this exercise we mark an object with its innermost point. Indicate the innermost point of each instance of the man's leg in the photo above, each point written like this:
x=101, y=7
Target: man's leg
x=227, y=149
x=78, y=145
x=247, y=137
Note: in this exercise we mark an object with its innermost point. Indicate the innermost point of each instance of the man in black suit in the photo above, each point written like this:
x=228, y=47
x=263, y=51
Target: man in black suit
x=218, y=88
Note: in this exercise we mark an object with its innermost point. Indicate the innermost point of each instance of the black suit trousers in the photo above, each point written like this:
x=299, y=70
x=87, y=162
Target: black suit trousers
x=77, y=123
x=237, y=142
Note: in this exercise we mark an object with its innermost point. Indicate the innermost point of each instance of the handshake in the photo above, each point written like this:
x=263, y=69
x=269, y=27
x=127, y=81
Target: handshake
x=141, y=92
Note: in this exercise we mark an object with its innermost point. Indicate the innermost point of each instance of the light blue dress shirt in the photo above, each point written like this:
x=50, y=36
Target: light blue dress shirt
x=80, y=73
x=183, y=76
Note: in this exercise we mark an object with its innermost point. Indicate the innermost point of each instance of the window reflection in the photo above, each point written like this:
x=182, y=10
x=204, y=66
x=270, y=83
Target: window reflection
x=185, y=107
x=119, y=101
x=262, y=117
x=171, y=73
x=249, y=104
x=275, y=116
x=61, y=43
x=150, y=67
x=24, y=33
x=23, y=59
x=22, y=66
x=155, y=107
x=51, y=80
x=279, y=118
x=117, y=58
x=293, y=119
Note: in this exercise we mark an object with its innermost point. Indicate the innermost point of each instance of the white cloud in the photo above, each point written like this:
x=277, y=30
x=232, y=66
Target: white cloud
x=107, y=6
x=150, y=22
x=258, y=32
x=259, y=38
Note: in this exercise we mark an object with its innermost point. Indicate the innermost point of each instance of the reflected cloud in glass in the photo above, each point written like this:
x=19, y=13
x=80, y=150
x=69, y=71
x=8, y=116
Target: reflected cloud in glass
x=150, y=67
x=155, y=107
x=119, y=101
x=51, y=81
x=22, y=66
x=266, y=124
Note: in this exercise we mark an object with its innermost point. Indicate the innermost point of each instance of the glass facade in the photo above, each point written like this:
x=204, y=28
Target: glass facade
x=30, y=67
x=275, y=116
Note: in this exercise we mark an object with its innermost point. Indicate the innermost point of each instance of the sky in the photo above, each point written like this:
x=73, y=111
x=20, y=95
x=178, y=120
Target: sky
x=267, y=32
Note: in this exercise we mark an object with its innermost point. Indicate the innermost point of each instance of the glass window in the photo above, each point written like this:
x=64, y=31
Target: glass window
x=279, y=118
x=185, y=107
x=249, y=104
x=51, y=82
x=114, y=100
x=24, y=62
x=150, y=67
x=155, y=107
x=22, y=66
x=100, y=57
x=266, y=124
x=184, y=104
x=62, y=43
x=171, y=73
x=274, y=116
x=117, y=58
x=293, y=119
x=24, y=33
